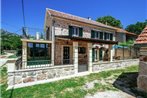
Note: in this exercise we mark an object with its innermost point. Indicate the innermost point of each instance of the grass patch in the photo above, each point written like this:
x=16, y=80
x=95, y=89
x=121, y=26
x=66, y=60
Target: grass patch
x=69, y=88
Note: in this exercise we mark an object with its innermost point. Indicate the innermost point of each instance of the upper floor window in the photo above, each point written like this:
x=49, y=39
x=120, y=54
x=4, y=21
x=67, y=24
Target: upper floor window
x=95, y=34
x=75, y=31
x=108, y=36
x=101, y=35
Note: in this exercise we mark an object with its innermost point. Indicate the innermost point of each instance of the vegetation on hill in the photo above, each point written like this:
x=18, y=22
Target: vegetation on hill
x=10, y=41
x=137, y=27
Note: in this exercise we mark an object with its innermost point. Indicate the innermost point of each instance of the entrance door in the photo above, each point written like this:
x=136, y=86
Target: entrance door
x=100, y=54
x=66, y=55
x=94, y=55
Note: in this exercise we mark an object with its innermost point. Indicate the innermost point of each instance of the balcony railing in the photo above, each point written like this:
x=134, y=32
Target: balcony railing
x=34, y=34
x=40, y=63
x=33, y=64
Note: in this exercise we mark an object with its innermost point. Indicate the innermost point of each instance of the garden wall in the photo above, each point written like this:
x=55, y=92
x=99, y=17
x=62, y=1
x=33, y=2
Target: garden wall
x=28, y=77
x=116, y=64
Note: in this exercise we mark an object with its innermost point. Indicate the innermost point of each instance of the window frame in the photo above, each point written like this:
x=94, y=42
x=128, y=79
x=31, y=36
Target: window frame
x=96, y=34
x=46, y=49
x=75, y=31
x=107, y=36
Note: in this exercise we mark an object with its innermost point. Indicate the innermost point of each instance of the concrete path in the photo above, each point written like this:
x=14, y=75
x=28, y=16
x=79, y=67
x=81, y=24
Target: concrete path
x=110, y=94
x=5, y=59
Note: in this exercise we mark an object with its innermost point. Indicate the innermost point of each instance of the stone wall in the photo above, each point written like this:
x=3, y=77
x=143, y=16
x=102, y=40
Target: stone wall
x=28, y=77
x=120, y=37
x=142, y=78
x=34, y=75
x=116, y=64
x=83, y=57
x=61, y=28
x=59, y=51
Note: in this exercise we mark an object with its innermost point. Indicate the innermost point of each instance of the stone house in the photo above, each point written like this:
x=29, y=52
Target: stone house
x=73, y=40
x=72, y=46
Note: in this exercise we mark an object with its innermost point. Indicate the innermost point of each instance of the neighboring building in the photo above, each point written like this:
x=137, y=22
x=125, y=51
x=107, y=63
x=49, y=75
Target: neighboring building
x=141, y=42
x=123, y=35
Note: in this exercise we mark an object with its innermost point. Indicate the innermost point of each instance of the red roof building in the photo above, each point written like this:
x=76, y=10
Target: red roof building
x=142, y=38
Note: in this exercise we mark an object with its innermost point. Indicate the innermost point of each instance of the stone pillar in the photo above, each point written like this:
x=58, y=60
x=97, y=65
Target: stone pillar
x=89, y=45
x=24, y=54
x=75, y=56
x=53, y=44
x=142, y=77
x=111, y=53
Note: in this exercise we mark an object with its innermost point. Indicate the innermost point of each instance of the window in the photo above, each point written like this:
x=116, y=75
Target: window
x=108, y=36
x=95, y=34
x=101, y=35
x=75, y=31
x=111, y=37
x=38, y=51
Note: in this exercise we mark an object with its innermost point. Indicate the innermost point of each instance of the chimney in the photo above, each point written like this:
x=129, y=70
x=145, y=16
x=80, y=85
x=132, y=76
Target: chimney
x=89, y=18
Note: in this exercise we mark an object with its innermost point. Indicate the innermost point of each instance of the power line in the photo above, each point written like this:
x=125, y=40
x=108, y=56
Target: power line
x=23, y=13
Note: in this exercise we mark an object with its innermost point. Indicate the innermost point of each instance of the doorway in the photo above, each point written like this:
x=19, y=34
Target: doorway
x=66, y=55
x=100, y=54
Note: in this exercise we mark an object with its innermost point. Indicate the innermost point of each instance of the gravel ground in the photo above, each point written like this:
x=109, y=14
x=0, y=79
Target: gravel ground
x=110, y=94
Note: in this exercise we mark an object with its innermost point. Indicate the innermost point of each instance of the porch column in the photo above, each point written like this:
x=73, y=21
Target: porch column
x=111, y=53
x=24, y=54
x=89, y=57
x=75, y=56
x=53, y=43
x=52, y=53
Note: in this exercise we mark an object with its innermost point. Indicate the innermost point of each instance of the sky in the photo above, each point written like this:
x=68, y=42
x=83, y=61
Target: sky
x=127, y=11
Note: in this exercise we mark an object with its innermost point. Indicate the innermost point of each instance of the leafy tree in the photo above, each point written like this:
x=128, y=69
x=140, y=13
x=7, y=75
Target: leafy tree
x=9, y=40
x=109, y=20
x=137, y=27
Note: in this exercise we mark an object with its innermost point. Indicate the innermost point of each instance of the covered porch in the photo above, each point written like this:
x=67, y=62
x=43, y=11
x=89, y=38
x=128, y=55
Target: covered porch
x=79, y=52
x=82, y=52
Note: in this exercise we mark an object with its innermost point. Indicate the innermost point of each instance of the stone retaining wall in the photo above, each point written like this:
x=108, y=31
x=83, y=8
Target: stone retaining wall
x=33, y=75
x=116, y=64
x=28, y=77
x=142, y=78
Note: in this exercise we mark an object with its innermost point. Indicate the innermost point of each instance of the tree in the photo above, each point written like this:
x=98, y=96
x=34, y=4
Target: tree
x=109, y=20
x=9, y=40
x=137, y=27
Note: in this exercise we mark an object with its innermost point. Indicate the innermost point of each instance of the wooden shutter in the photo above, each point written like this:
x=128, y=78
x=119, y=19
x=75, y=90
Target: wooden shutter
x=93, y=55
x=97, y=34
x=101, y=35
x=80, y=32
x=70, y=30
x=92, y=34
x=48, y=36
x=105, y=35
x=111, y=36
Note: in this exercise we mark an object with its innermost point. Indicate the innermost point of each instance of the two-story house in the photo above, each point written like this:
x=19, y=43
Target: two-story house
x=71, y=40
